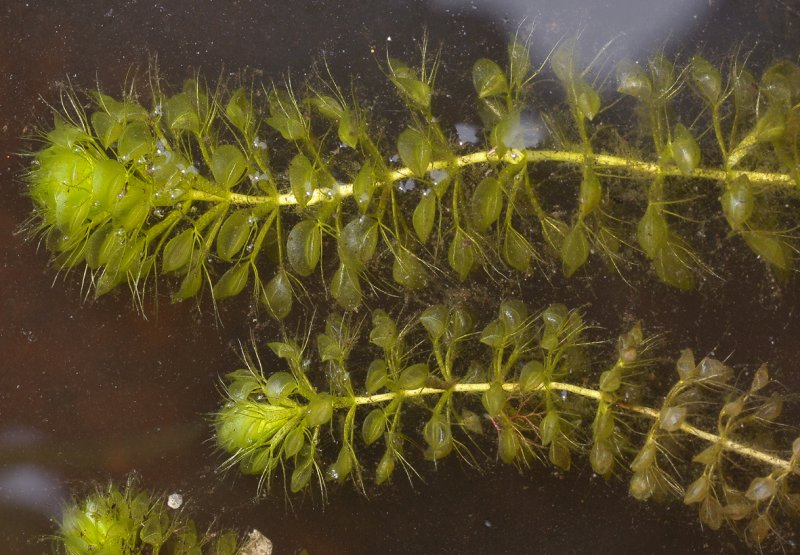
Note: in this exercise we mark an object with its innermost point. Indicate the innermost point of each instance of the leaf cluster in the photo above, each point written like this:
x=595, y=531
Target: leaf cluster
x=526, y=386
x=129, y=520
x=261, y=186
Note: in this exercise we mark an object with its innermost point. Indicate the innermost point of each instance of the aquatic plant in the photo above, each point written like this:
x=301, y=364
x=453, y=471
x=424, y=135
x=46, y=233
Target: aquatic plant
x=130, y=520
x=269, y=186
x=532, y=385
x=265, y=186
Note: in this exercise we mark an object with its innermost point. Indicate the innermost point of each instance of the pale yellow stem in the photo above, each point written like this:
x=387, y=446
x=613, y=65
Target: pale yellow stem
x=725, y=443
x=513, y=156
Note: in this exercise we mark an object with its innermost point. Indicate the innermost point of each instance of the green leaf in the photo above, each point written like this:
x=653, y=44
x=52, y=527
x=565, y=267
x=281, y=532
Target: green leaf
x=517, y=251
x=414, y=376
x=532, y=376
x=320, y=410
x=384, y=330
x=672, y=267
x=135, y=142
x=590, y=193
x=232, y=282
x=771, y=126
x=233, y=234
x=377, y=376
x=488, y=78
x=487, y=203
x=346, y=288
x=99, y=246
x=328, y=106
x=328, y=348
x=437, y=435
x=385, y=467
x=304, y=247
x=373, y=426
x=106, y=128
x=181, y=114
x=239, y=111
x=358, y=241
x=415, y=151
x=285, y=116
x=461, y=254
x=633, y=81
x=409, y=86
x=228, y=165
x=363, y=186
x=685, y=150
x=291, y=128
x=407, y=269
x=155, y=529
x=494, y=334
x=508, y=133
x=652, y=231
x=278, y=295
x=191, y=284
x=513, y=315
x=302, y=178
x=424, y=215
x=131, y=211
x=707, y=79
x=494, y=399
x=108, y=182
x=574, y=250
x=226, y=544
x=288, y=350
x=587, y=99
x=519, y=61
x=772, y=250
x=348, y=130
x=178, y=251
x=434, y=320
x=562, y=61
x=737, y=202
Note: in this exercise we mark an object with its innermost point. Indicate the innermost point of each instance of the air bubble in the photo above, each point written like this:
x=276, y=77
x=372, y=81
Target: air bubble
x=437, y=176
x=407, y=185
x=174, y=501
x=175, y=194
x=251, y=220
x=158, y=213
x=157, y=110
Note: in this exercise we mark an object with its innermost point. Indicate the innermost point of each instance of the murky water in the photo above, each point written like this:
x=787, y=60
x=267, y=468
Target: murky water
x=91, y=391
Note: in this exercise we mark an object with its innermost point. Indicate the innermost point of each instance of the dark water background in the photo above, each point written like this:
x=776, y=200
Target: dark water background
x=91, y=391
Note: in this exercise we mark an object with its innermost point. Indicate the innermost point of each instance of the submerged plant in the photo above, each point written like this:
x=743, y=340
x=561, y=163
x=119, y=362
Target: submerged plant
x=130, y=521
x=265, y=186
x=529, y=386
x=261, y=188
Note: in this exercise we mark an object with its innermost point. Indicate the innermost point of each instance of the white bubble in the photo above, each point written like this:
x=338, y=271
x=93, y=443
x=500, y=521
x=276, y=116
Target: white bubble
x=175, y=500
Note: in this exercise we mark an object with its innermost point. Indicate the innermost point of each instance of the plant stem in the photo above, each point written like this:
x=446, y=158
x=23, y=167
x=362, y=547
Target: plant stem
x=725, y=443
x=513, y=156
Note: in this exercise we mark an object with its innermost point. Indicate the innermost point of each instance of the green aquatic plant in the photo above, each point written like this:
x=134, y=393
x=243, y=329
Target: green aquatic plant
x=266, y=186
x=530, y=386
x=284, y=191
x=130, y=520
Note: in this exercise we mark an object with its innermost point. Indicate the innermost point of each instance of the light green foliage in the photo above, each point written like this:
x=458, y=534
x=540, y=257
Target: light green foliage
x=188, y=187
x=131, y=521
x=447, y=380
